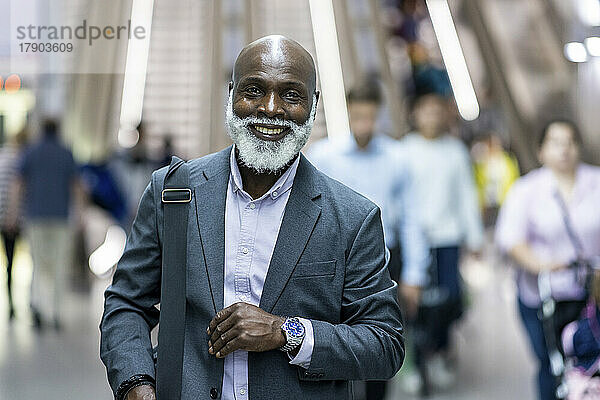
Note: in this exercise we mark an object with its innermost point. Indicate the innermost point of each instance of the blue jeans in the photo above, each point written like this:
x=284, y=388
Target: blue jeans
x=433, y=322
x=533, y=325
x=448, y=278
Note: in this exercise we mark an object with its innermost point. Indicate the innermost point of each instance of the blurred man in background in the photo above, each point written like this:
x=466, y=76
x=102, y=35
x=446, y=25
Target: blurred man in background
x=450, y=217
x=371, y=163
x=47, y=178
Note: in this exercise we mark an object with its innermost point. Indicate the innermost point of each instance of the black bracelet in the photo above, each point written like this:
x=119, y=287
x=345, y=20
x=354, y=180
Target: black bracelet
x=133, y=382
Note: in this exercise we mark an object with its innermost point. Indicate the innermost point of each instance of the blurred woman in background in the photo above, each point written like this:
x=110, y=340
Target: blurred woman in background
x=9, y=156
x=548, y=221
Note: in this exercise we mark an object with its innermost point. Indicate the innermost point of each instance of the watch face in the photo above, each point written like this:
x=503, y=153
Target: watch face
x=294, y=328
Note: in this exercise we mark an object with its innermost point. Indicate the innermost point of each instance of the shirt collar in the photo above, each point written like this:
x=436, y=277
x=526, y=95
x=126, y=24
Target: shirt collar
x=580, y=179
x=283, y=184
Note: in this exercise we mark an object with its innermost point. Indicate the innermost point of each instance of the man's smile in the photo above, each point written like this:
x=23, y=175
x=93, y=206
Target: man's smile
x=269, y=132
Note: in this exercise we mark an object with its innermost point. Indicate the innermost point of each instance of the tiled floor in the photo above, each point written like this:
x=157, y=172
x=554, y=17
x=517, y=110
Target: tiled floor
x=49, y=364
x=494, y=361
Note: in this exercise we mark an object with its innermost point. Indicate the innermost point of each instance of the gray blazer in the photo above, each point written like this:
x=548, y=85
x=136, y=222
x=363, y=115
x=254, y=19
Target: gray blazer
x=328, y=266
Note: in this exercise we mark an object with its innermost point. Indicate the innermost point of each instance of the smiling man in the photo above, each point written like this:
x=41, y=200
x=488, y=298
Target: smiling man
x=287, y=291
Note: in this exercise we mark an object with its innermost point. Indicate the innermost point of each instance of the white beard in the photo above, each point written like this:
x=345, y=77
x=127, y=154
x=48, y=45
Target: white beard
x=266, y=156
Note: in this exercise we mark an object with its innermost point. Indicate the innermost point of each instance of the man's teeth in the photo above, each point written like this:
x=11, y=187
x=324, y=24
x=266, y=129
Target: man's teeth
x=268, y=131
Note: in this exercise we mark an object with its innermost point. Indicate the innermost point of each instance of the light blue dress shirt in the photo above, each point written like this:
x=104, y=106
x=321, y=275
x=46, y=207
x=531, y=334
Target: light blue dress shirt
x=379, y=173
x=445, y=188
x=251, y=230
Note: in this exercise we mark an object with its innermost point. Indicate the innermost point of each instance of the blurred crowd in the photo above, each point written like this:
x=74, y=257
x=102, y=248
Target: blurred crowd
x=53, y=203
x=438, y=194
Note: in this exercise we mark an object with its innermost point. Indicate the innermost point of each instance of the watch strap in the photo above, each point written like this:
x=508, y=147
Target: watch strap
x=292, y=342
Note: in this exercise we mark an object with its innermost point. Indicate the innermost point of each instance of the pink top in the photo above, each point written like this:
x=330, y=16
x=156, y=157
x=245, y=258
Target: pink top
x=531, y=214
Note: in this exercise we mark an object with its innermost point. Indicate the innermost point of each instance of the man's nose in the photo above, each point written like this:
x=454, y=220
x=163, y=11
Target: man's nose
x=271, y=107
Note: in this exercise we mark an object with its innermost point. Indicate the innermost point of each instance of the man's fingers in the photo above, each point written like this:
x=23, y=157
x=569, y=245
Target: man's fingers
x=221, y=328
x=221, y=341
x=221, y=316
x=229, y=347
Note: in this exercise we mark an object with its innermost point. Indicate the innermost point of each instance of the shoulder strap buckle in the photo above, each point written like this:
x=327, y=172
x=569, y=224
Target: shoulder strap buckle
x=175, y=195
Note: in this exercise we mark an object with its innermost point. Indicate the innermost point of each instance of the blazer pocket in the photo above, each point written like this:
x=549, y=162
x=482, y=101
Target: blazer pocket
x=316, y=269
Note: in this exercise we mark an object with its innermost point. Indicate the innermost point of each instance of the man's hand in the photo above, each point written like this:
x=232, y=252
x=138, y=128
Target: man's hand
x=243, y=326
x=553, y=266
x=476, y=255
x=411, y=296
x=144, y=392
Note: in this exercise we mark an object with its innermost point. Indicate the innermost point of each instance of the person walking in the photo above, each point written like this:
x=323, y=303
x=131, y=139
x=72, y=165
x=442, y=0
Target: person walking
x=532, y=229
x=10, y=232
x=46, y=181
x=450, y=217
x=373, y=164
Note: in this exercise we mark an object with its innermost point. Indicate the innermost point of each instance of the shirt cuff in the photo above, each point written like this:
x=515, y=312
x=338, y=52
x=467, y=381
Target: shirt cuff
x=416, y=269
x=304, y=355
x=415, y=277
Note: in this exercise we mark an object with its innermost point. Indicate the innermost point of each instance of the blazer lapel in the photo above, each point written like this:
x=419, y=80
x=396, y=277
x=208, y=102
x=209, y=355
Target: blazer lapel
x=210, y=197
x=299, y=219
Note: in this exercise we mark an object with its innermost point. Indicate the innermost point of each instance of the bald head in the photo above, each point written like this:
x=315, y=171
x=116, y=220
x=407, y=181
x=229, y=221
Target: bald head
x=280, y=53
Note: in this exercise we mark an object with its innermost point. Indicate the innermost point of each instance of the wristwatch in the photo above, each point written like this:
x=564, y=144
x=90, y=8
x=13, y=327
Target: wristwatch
x=294, y=333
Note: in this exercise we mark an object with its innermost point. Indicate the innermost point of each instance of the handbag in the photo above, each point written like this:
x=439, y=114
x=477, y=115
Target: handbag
x=175, y=199
x=436, y=308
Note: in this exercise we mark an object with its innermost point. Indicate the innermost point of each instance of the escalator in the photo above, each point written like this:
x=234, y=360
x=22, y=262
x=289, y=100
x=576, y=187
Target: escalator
x=521, y=44
x=194, y=44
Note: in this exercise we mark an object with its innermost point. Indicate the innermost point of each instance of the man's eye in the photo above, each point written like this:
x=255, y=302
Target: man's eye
x=252, y=91
x=292, y=96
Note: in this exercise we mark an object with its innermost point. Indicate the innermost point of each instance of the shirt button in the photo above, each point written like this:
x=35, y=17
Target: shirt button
x=245, y=250
x=252, y=206
x=275, y=193
x=242, y=391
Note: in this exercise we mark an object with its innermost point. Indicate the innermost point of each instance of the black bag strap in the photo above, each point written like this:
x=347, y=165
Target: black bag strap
x=549, y=306
x=575, y=241
x=175, y=197
x=582, y=264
